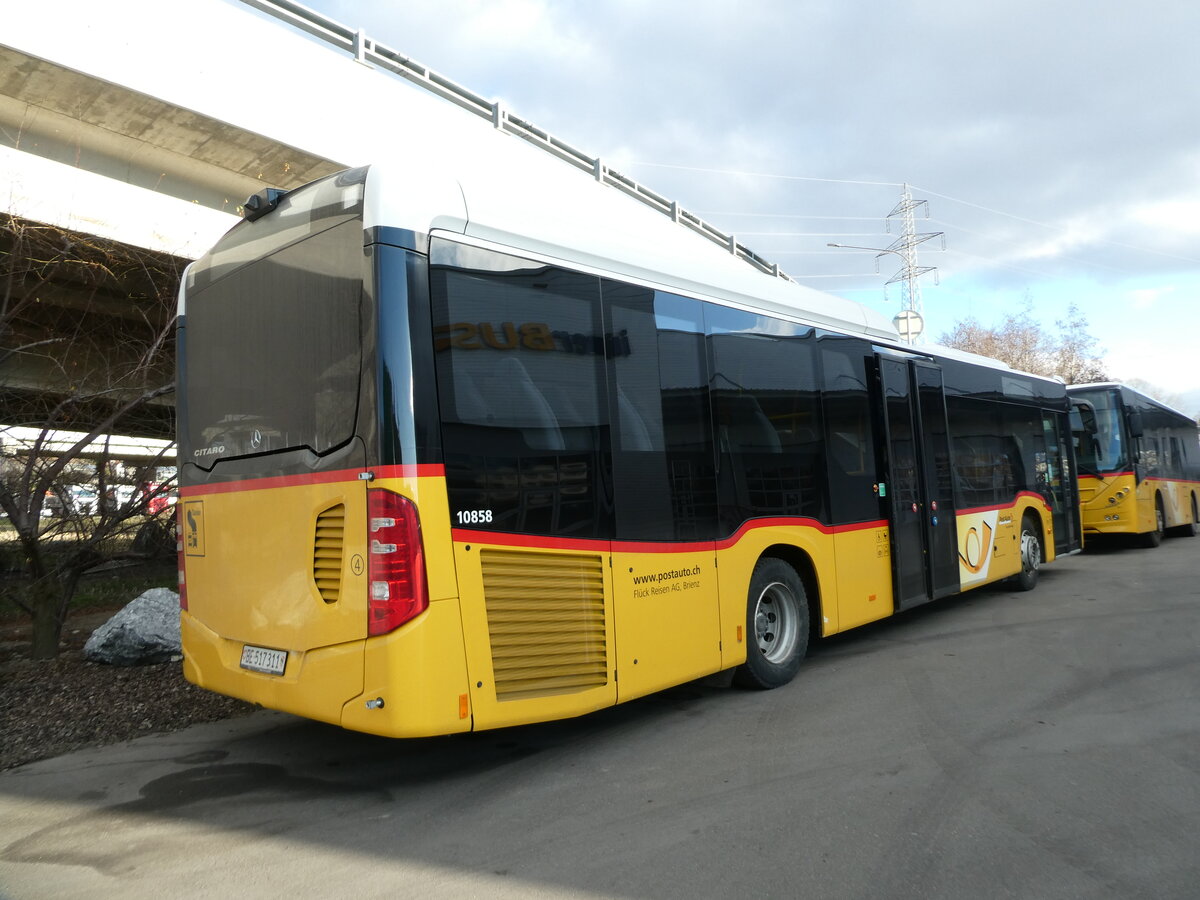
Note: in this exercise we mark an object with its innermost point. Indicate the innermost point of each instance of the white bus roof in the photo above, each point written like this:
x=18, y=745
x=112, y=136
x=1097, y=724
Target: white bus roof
x=494, y=188
x=1108, y=385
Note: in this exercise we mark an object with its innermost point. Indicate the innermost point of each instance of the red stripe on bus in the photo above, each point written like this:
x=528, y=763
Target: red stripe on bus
x=466, y=536
x=282, y=481
x=428, y=470
x=792, y=522
x=504, y=539
x=1001, y=506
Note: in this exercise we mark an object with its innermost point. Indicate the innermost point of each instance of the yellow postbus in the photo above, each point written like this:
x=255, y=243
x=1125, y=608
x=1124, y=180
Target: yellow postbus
x=469, y=450
x=1139, y=473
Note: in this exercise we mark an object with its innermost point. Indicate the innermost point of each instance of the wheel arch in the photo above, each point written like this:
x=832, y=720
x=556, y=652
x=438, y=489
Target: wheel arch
x=1033, y=515
x=803, y=565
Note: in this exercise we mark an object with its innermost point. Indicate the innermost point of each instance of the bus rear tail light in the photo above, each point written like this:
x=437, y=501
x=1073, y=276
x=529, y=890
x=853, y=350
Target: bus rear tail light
x=183, y=603
x=396, y=571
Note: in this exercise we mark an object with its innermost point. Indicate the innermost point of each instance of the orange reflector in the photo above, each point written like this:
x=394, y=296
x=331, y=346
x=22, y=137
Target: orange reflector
x=871, y=598
x=739, y=634
x=463, y=706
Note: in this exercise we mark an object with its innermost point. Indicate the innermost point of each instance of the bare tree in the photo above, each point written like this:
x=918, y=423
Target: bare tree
x=1077, y=360
x=1022, y=343
x=86, y=352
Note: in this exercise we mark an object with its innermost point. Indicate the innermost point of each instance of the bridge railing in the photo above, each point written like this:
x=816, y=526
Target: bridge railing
x=371, y=52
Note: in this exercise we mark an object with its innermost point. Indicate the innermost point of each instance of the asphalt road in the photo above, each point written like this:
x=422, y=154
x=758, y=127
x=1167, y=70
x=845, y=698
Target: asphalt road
x=1041, y=745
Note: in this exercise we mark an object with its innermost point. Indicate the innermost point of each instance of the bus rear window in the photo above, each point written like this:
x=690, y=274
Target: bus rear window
x=273, y=356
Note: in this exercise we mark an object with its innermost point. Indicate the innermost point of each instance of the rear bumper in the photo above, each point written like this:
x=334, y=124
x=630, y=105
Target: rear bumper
x=419, y=672
x=315, y=684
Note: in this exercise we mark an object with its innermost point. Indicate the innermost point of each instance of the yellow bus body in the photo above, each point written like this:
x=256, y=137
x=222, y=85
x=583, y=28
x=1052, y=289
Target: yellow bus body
x=518, y=629
x=1119, y=504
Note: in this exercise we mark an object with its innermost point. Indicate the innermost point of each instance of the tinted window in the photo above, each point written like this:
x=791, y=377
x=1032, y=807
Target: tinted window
x=409, y=431
x=984, y=382
x=766, y=417
x=939, y=473
x=983, y=461
x=1149, y=454
x=520, y=356
x=848, y=429
x=273, y=351
x=663, y=454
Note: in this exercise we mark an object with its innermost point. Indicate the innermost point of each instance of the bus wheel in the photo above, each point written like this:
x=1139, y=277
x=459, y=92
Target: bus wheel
x=776, y=626
x=1031, y=556
x=1154, y=538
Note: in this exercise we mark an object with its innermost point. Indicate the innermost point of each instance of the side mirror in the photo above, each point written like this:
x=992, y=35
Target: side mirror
x=1083, y=418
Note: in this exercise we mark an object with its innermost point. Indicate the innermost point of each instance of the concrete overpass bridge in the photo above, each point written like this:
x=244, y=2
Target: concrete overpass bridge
x=103, y=152
x=138, y=128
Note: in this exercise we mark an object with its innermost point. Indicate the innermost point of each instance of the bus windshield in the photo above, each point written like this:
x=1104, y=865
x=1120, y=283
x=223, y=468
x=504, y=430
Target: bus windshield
x=1108, y=451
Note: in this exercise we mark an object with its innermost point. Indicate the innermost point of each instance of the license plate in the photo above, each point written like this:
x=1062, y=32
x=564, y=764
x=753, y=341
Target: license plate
x=262, y=659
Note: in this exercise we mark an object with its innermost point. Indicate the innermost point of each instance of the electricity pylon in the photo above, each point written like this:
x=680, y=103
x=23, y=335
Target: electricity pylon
x=905, y=247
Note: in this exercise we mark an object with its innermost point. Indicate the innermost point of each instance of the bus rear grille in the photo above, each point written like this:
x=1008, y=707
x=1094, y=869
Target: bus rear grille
x=327, y=553
x=545, y=617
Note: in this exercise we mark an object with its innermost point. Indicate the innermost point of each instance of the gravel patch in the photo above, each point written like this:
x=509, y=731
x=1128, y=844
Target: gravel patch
x=51, y=707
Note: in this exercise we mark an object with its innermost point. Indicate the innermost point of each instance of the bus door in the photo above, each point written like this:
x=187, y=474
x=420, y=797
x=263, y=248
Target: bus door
x=1058, y=483
x=917, y=481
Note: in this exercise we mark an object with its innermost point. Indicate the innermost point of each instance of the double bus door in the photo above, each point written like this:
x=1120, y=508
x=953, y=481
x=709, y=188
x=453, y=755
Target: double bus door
x=1059, y=486
x=918, y=481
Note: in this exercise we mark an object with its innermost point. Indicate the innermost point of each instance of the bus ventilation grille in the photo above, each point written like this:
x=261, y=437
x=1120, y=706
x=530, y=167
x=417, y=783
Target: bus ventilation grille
x=545, y=617
x=327, y=553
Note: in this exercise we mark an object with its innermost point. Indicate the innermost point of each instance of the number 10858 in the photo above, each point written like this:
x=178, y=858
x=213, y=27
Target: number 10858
x=474, y=516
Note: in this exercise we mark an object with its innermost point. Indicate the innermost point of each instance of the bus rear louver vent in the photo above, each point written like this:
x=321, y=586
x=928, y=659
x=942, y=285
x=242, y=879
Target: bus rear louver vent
x=327, y=553
x=546, y=622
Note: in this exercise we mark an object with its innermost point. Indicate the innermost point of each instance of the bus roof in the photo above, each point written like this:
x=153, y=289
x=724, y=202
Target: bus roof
x=507, y=193
x=1109, y=385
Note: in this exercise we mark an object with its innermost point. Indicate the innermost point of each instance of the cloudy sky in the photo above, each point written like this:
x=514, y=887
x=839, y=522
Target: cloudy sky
x=1057, y=144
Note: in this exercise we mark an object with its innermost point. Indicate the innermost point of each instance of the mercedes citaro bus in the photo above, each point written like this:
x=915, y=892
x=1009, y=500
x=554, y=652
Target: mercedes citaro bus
x=477, y=448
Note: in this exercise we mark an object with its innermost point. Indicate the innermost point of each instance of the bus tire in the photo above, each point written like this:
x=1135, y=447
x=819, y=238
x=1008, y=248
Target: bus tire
x=1031, y=555
x=777, y=624
x=1154, y=538
x=1188, y=529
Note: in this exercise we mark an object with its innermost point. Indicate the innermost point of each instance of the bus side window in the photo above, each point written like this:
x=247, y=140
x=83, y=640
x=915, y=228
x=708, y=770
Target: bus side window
x=979, y=467
x=852, y=471
x=528, y=407
x=743, y=427
x=765, y=409
x=524, y=421
x=1148, y=454
x=664, y=480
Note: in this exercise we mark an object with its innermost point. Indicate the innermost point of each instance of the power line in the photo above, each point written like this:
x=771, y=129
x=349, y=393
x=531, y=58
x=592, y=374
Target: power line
x=702, y=212
x=765, y=175
x=806, y=234
x=805, y=277
x=979, y=206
